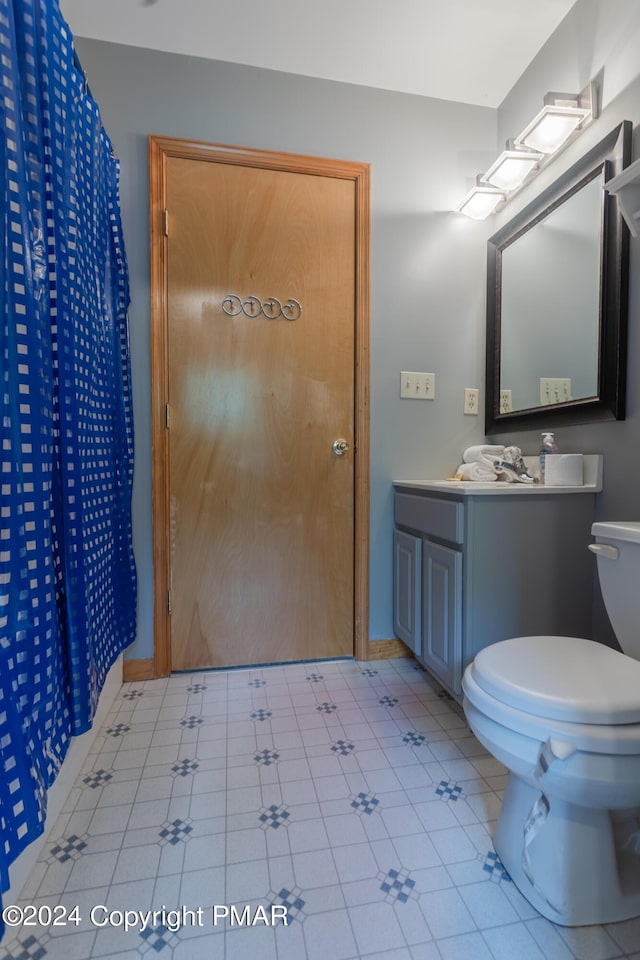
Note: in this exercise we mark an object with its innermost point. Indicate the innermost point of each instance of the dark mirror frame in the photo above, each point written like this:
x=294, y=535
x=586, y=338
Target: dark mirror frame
x=609, y=157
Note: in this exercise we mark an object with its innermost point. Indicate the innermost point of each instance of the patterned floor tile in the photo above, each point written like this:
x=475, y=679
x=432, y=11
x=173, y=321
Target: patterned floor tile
x=353, y=797
x=95, y=779
x=397, y=885
x=67, y=848
x=175, y=831
x=448, y=790
x=184, y=767
x=365, y=803
x=274, y=817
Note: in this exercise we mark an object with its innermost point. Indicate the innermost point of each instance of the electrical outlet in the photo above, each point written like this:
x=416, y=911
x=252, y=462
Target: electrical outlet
x=471, y=400
x=505, y=401
x=555, y=390
x=417, y=386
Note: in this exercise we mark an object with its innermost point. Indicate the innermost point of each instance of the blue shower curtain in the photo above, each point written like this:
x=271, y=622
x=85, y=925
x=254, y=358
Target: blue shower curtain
x=67, y=574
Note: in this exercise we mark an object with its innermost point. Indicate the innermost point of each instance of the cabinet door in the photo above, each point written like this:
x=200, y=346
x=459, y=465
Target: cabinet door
x=442, y=613
x=407, y=560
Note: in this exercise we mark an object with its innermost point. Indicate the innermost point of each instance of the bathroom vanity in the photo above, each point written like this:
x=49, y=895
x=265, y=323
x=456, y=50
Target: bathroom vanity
x=477, y=563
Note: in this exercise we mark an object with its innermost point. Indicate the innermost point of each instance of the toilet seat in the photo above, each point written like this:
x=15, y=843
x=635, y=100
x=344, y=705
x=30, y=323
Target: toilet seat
x=566, y=679
x=518, y=684
x=614, y=739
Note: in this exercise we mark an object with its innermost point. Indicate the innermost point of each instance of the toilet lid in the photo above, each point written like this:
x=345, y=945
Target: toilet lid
x=561, y=678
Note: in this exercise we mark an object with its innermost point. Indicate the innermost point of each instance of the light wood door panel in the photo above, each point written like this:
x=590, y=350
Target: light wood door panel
x=261, y=540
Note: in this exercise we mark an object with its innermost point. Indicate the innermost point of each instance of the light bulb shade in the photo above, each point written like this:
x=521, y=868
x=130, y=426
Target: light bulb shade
x=511, y=169
x=480, y=202
x=562, y=118
x=552, y=127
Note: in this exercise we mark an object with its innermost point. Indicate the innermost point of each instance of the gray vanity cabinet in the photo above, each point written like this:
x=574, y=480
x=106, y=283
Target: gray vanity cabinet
x=472, y=570
x=407, y=569
x=442, y=611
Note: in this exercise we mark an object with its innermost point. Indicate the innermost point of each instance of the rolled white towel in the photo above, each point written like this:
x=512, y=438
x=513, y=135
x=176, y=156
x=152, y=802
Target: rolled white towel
x=484, y=453
x=480, y=472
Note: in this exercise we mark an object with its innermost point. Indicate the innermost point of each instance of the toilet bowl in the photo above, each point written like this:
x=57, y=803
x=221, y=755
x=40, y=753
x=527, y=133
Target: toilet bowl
x=563, y=715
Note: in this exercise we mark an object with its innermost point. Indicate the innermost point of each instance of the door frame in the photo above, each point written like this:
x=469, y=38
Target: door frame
x=160, y=149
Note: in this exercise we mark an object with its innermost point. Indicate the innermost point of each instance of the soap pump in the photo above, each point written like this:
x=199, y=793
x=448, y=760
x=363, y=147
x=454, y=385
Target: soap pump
x=549, y=445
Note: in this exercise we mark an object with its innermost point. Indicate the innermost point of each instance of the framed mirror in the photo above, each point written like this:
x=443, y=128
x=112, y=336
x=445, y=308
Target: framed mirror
x=557, y=278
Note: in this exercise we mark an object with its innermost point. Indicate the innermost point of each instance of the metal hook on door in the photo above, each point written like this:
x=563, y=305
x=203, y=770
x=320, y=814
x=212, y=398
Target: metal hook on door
x=252, y=306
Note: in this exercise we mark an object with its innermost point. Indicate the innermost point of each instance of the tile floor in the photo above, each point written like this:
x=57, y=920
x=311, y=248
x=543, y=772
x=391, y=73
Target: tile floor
x=352, y=794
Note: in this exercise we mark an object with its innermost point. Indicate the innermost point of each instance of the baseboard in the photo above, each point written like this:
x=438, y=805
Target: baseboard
x=387, y=649
x=133, y=670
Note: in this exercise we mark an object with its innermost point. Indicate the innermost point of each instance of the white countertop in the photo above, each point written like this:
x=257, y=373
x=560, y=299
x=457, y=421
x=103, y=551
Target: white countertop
x=592, y=484
x=469, y=488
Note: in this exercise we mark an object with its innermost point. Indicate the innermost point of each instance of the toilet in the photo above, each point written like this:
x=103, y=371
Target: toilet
x=563, y=715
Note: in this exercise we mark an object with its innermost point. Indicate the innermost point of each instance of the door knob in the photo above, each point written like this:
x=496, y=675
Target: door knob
x=340, y=447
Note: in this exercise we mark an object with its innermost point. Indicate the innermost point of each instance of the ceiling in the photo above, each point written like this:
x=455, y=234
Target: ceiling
x=472, y=51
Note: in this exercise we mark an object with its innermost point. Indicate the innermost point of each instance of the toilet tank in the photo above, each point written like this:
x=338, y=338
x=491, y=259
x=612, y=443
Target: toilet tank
x=619, y=575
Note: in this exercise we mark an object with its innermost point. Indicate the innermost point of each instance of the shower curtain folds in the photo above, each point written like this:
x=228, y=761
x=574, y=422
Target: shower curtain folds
x=67, y=572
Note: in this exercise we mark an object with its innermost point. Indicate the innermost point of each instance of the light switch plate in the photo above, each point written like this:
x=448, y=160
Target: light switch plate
x=417, y=386
x=555, y=390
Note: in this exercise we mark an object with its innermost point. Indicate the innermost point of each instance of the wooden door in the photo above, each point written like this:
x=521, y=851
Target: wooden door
x=261, y=303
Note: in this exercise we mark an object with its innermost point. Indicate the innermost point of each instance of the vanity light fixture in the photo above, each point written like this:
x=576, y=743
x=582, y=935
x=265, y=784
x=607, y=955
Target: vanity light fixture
x=512, y=168
x=480, y=202
x=553, y=126
x=562, y=118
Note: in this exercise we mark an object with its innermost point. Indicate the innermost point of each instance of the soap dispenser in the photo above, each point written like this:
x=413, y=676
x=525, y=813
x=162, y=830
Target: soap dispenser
x=549, y=445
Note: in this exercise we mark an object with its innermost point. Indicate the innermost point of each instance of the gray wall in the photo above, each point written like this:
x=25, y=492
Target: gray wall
x=598, y=38
x=428, y=264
